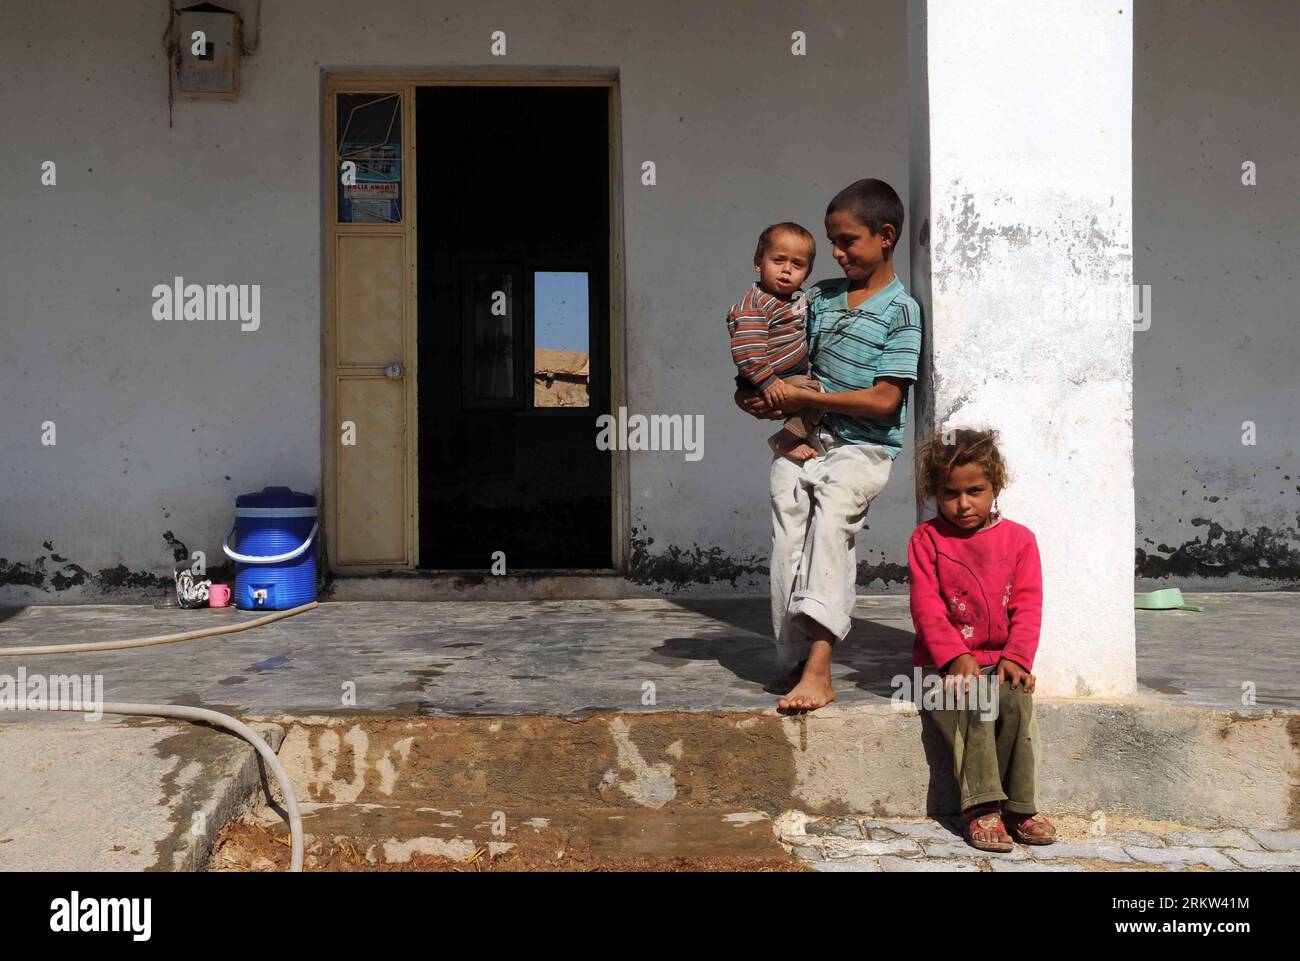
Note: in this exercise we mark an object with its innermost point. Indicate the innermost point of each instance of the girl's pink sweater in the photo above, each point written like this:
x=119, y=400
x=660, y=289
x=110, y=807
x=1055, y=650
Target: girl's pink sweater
x=975, y=592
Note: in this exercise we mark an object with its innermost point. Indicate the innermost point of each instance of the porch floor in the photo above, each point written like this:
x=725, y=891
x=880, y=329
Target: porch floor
x=689, y=767
x=578, y=656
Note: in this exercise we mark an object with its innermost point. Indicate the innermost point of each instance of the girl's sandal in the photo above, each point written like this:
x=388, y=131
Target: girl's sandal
x=987, y=821
x=1032, y=828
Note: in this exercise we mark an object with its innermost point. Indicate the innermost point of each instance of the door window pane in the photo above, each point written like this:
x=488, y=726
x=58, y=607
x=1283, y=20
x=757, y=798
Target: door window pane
x=492, y=308
x=561, y=339
x=369, y=129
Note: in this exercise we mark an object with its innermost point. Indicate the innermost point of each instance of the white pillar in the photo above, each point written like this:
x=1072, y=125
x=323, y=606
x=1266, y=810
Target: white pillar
x=1021, y=206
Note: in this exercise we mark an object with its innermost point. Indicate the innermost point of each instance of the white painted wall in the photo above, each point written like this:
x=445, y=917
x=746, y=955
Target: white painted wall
x=1030, y=207
x=1215, y=85
x=161, y=425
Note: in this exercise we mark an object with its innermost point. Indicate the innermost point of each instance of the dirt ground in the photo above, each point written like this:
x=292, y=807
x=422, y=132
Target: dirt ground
x=248, y=845
x=564, y=840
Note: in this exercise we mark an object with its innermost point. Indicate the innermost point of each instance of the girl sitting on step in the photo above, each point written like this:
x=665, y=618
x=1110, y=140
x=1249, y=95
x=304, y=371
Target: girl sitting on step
x=976, y=599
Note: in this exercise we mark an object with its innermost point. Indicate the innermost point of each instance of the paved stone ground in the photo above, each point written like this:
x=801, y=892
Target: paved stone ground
x=877, y=844
x=566, y=657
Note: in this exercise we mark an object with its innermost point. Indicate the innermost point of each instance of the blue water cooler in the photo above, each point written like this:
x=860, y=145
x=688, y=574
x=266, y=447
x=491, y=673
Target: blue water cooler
x=275, y=564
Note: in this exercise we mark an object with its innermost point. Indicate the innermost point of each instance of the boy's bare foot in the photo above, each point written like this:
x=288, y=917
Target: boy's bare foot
x=814, y=687
x=812, y=691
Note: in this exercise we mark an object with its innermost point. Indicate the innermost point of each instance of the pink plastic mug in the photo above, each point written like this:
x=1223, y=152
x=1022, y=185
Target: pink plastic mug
x=218, y=595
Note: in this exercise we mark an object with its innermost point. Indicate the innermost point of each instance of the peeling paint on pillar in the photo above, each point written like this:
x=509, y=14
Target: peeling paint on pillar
x=1028, y=274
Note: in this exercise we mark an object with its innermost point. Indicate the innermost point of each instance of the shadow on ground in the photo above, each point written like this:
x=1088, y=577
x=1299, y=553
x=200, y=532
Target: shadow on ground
x=869, y=657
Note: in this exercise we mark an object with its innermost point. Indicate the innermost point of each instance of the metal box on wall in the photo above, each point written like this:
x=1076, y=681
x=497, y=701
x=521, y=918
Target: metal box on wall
x=209, y=52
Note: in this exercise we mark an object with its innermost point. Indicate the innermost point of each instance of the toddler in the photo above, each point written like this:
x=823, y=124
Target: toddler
x=769, y=342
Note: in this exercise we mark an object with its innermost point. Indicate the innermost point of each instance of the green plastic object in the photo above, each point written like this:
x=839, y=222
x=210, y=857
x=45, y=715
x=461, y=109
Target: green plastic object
x=1169, y=599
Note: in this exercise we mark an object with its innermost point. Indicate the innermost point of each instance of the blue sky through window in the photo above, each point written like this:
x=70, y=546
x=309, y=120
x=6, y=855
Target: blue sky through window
x=560, y=310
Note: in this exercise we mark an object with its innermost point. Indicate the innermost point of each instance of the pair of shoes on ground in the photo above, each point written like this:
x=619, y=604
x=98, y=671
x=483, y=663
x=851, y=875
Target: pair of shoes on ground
x=985, y=829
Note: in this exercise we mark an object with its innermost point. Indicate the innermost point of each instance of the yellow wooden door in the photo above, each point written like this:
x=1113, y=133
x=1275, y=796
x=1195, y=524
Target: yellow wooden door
x=369, y=428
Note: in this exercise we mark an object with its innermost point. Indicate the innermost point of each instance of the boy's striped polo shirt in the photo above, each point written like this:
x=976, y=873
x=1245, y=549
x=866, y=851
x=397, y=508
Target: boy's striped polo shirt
x=851, y=348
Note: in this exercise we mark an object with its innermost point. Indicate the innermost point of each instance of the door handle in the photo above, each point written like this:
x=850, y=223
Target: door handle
x=394, y=371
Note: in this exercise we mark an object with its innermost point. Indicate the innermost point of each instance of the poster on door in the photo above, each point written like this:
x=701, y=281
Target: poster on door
x=376, y=197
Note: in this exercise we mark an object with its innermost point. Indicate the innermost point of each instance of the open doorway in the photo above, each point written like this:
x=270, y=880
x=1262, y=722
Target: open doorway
x=513, y=228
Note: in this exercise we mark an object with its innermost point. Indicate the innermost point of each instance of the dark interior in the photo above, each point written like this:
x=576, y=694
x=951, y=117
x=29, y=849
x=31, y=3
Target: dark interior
x=512, y=181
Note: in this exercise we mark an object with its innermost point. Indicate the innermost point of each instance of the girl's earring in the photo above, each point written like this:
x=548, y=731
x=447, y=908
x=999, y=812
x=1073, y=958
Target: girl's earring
x=995, y=506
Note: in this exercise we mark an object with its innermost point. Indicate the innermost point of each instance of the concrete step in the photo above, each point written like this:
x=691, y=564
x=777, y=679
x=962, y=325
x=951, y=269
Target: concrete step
x=839, y=790
x=1194, y=766
x=119, y=794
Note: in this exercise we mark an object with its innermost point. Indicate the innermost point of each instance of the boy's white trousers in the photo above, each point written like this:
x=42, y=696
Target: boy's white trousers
x=818, y=507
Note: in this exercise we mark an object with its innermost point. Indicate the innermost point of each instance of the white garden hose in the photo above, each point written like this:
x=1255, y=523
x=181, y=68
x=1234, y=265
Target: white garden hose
x=150, y=641
x=193, y=713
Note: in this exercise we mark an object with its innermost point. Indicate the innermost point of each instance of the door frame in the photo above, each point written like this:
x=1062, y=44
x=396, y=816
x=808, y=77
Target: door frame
x=360, y=80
